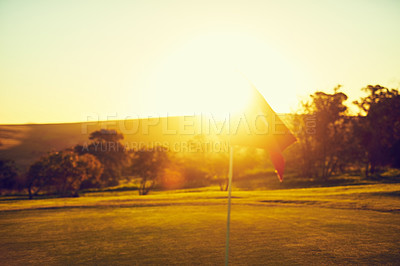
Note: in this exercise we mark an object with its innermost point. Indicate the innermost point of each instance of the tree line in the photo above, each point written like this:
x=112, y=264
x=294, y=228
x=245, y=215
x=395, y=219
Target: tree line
x=335, y=142
x=330, y=142
x=105, y=162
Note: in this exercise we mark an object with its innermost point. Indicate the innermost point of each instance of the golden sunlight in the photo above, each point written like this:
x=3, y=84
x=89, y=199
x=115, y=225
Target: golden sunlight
x=208, y=74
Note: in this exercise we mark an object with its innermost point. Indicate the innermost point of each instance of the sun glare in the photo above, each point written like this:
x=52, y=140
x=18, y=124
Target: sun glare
x=208, y=75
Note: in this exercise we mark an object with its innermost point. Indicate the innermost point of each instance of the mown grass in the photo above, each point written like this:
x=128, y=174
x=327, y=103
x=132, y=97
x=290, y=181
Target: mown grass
x=334, y=225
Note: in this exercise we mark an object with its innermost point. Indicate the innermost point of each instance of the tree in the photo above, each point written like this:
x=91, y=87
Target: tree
x=213, y=165
x=62, y=173
x=378, y=131
x=216, y=168
x=301, y=156
x=322, y=133
x=8, y=175
x=147, y=164
x=201, y=166
x=106, y=146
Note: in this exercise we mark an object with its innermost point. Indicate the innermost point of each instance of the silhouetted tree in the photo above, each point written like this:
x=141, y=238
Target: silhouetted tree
x=8, y=175
x=106, y=146
x=62, y=172
x=147, y=165
x=322, y=131
x=378, y=132
x=301, y=155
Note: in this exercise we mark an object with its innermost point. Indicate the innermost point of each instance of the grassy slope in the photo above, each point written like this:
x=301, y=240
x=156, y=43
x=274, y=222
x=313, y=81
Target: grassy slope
x=336, y=225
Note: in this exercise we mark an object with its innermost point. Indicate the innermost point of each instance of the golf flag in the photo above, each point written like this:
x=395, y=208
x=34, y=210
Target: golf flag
x=260, y=127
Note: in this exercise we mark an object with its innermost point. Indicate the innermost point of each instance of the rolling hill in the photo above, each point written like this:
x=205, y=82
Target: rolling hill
x=26, y=143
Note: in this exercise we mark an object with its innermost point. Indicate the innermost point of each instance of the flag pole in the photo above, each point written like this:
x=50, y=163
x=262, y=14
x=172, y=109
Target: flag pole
x=228, y=222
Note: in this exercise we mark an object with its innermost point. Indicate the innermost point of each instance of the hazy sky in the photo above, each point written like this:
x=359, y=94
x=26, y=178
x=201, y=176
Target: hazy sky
x=64, y=61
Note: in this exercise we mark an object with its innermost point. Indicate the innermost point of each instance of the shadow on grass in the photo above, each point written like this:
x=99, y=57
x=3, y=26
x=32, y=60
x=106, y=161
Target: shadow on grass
x=387, y=194
x=268, y=180
x=110, y=189
x=384, y=179
x=17, y=197
x=26, y=197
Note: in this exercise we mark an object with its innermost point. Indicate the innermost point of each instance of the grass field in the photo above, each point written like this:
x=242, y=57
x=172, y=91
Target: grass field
x=313, y=226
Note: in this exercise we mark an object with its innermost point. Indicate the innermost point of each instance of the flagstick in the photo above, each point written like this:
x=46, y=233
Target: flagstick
x=228, y=223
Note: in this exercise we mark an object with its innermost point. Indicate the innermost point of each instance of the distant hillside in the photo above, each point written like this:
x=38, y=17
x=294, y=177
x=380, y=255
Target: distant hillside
x=26, y=143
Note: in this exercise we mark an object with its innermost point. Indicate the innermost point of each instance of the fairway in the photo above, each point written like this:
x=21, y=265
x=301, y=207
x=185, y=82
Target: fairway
x=337, y=225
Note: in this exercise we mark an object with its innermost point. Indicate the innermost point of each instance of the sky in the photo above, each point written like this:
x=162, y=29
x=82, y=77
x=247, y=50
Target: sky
x=69, y=61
